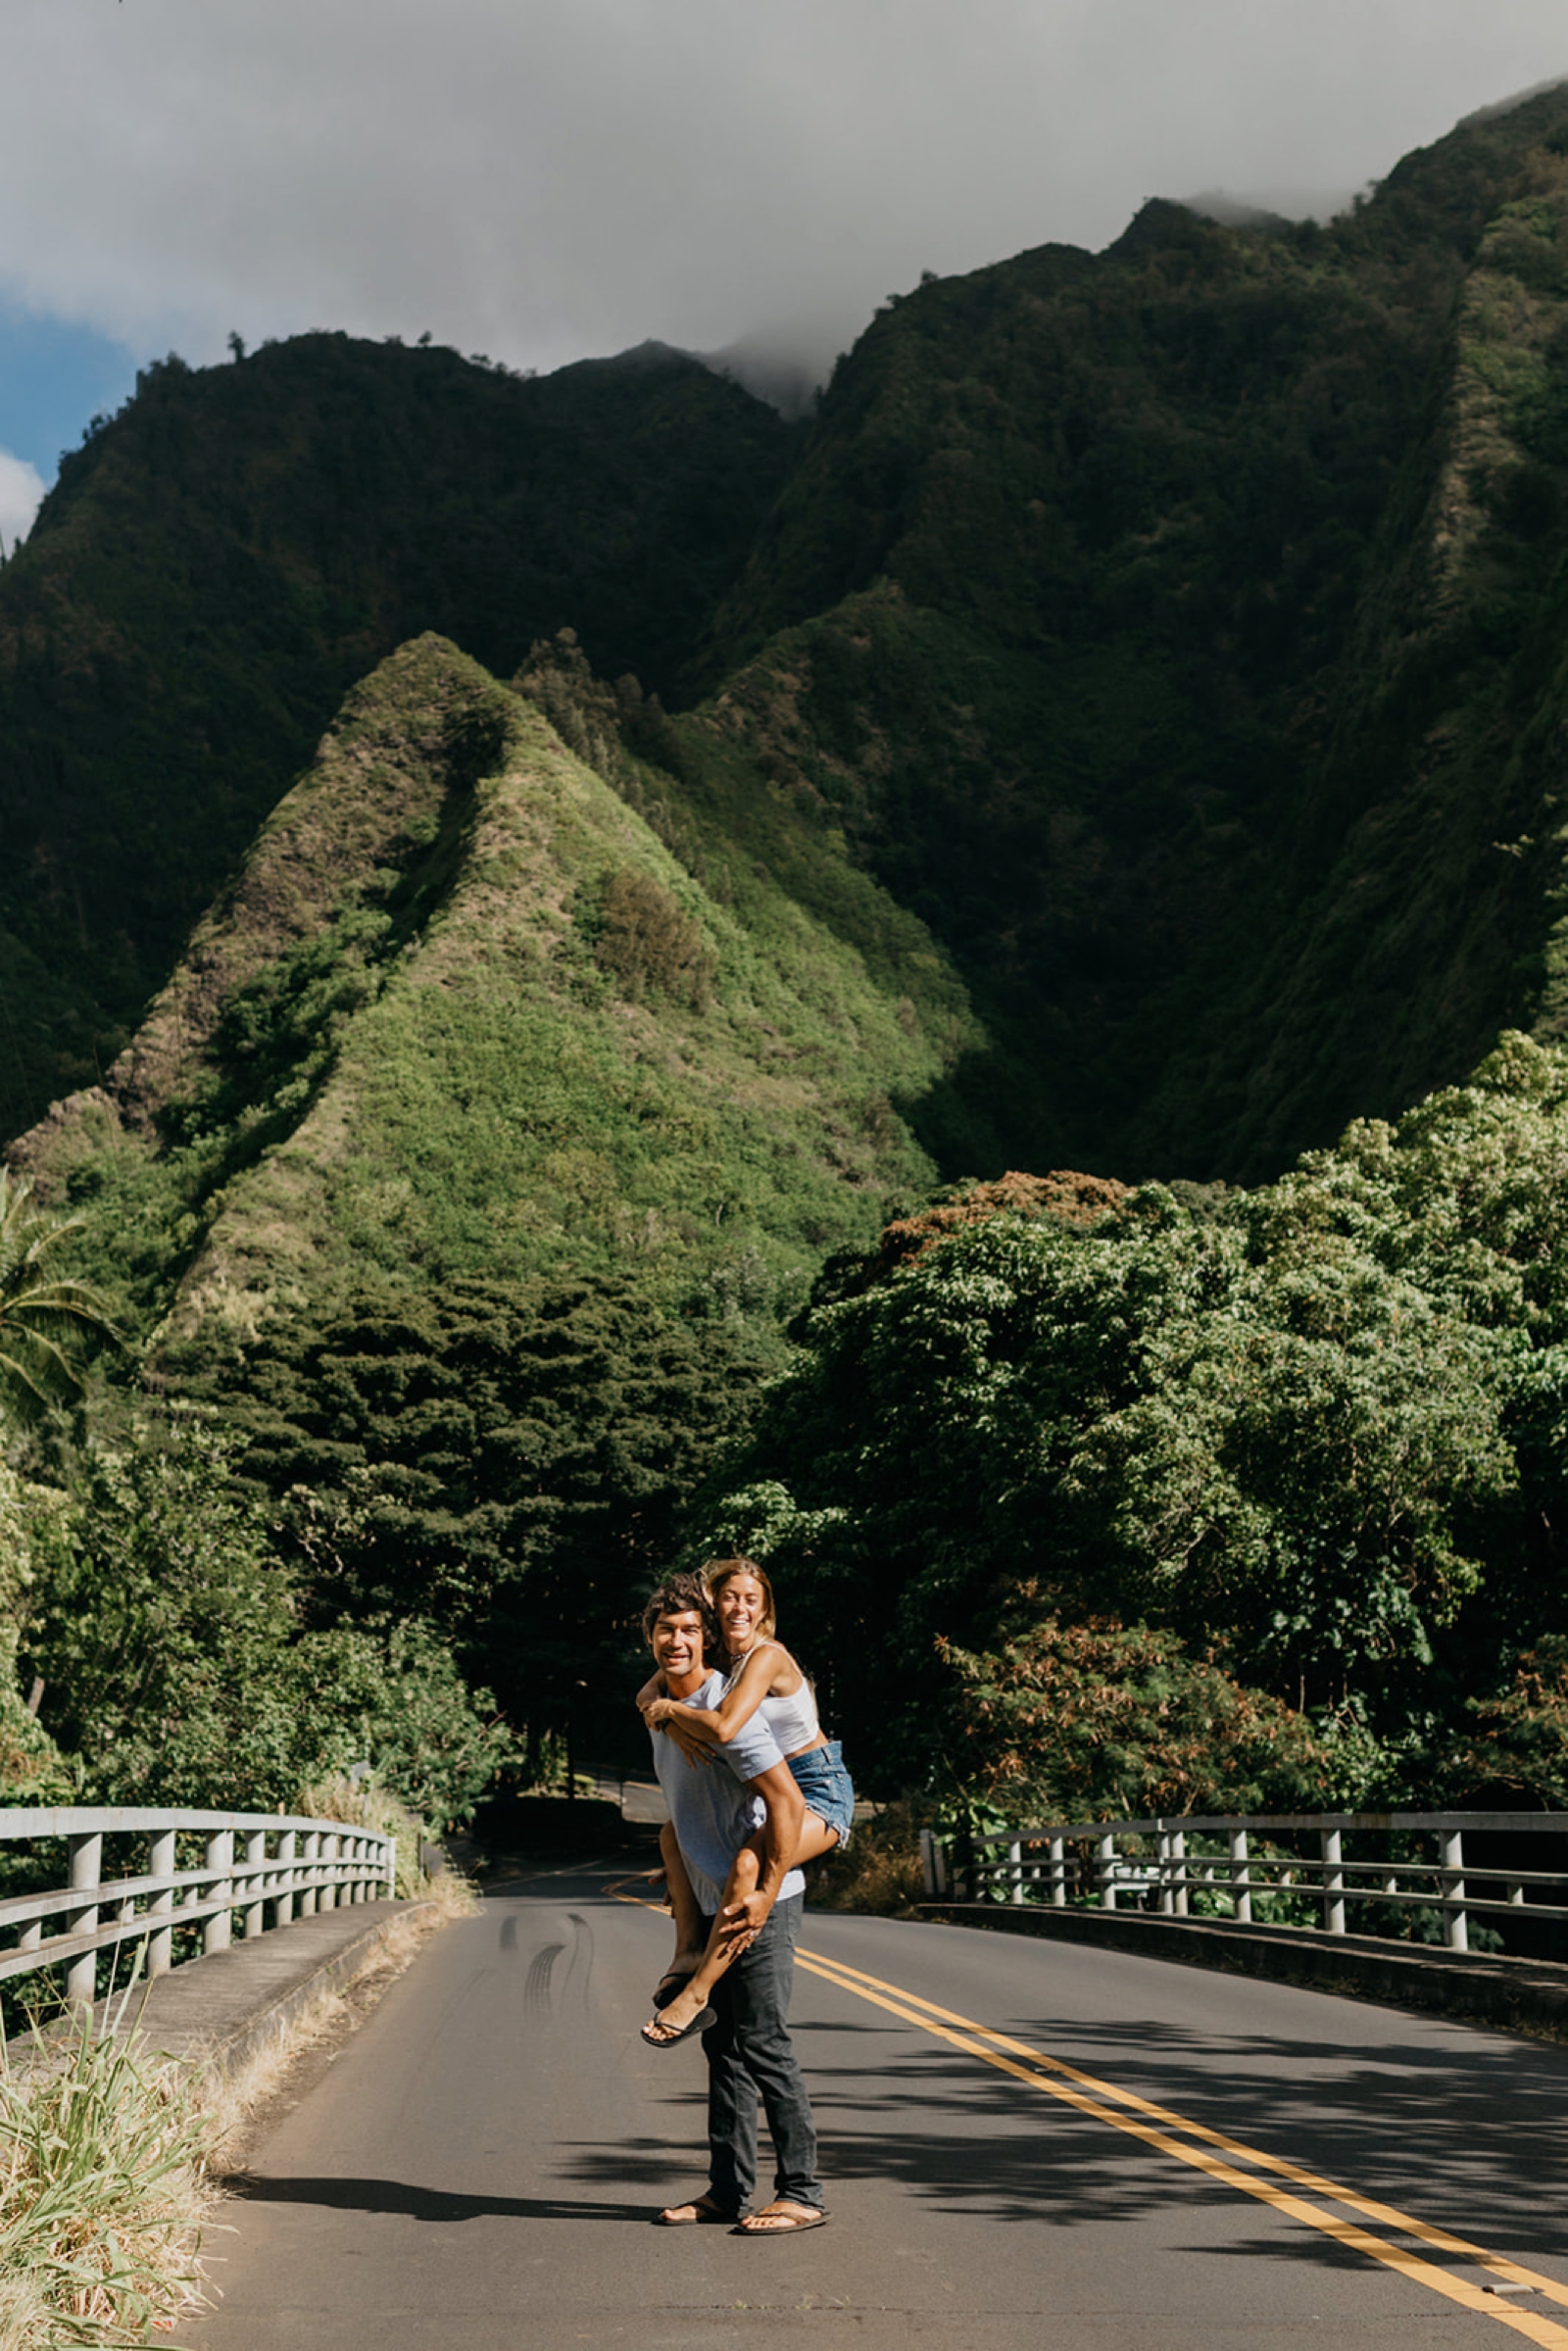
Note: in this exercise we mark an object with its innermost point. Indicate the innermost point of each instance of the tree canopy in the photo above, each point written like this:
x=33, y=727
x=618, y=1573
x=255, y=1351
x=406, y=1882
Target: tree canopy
x=1316, y=1431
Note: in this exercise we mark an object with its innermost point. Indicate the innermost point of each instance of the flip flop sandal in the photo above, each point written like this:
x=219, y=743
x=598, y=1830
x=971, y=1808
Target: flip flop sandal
x=660, y=2035
x=702, y=2213
x=780, y=2220
x=668, y=1986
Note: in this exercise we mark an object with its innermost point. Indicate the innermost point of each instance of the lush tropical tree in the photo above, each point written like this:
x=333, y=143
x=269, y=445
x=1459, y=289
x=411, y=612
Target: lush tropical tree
x=509, y=1460
x=48, y=1320
x=179, y=1666
x=1101, y=1719
x=1320, y=1428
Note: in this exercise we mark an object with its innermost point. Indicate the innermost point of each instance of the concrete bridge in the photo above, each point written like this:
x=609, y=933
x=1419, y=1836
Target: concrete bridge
x=1026, y=2141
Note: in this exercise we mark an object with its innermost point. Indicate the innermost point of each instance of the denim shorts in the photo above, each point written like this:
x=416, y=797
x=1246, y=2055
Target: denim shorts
x=827, y=1787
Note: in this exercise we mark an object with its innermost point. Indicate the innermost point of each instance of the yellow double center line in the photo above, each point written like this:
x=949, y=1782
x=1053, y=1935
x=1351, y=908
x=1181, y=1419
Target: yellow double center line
x=1157, y=2127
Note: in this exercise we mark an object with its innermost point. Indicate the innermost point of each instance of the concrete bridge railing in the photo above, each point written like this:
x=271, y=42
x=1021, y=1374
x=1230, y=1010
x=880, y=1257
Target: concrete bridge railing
x=261, y=1868
x=1338, y=1859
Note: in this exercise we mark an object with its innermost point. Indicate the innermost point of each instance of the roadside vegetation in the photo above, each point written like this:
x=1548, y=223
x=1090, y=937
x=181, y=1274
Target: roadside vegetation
x=114, y=2160
x=1222, y=1500
x=1079, y=1498
x=102, y=2195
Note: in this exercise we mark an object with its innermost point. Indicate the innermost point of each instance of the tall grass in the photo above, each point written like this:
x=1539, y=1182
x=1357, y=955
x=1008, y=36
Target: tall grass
x=102, y=2191
x=111, y=2158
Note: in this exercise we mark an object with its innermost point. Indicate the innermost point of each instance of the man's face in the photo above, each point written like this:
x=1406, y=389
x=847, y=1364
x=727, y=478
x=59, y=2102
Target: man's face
x=678, y=1644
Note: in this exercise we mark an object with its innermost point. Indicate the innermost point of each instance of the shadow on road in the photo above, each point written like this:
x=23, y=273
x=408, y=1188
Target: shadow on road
x=1382, y=2110
x=428, y=2203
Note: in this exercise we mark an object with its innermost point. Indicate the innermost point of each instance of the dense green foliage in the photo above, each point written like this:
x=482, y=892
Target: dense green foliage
x=1318, y=1428
x=469, y=1164
x=1519, y=1754
x=49, y=1321
x=1132, y=723
x=178, y=1663
x=1080, y=1720
x=511, y=1461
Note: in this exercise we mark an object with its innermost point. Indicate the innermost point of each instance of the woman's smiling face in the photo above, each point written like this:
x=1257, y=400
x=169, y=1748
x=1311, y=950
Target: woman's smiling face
x=741, y=1603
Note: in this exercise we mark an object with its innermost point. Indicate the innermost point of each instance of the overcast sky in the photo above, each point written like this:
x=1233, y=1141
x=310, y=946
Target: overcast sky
x=544, y=179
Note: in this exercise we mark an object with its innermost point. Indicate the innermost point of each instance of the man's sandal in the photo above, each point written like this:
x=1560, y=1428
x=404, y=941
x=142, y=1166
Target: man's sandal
x=700, y=2212
x=781, y=2220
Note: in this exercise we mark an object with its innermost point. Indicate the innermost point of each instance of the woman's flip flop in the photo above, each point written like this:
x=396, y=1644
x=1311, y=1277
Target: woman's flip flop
x=670, y=1985
x=660, y=2035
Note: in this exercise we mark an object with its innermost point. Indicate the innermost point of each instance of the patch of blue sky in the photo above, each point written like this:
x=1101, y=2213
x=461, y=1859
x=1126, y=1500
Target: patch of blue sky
x=55, y=376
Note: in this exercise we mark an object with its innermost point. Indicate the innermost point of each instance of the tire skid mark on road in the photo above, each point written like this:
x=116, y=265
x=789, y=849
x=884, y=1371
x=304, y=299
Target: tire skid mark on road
x=1100, y=2100
x=536, y=1999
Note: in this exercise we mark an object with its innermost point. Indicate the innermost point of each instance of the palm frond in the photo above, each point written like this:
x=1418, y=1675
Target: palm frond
x=44, y=1317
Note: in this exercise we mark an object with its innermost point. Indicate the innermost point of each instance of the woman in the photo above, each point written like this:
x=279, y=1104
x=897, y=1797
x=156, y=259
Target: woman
x=764, y=1678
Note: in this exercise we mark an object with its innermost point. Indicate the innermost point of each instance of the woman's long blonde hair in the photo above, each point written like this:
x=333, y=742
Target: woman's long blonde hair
x=717, y=1573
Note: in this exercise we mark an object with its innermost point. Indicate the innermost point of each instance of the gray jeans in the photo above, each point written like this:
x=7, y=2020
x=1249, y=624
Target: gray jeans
x=749, y=2050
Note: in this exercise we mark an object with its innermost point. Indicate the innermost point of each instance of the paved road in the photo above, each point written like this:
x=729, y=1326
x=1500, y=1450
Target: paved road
x=1013, y=2142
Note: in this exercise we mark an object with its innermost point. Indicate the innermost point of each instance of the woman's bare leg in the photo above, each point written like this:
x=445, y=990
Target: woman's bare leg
x=817, y=1839
x=690, y=1925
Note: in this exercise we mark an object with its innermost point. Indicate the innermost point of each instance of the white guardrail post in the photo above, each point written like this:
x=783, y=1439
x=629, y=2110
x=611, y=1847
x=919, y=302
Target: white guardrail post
x=1456, y=1927
x=255, y=1910
x=216, y=1928
x=1241, y=1879
x=86, y=1869
x=160, y=1864
x=1333, y=1883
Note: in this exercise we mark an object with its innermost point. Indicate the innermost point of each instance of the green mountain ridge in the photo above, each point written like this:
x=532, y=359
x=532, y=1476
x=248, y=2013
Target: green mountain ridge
x=1144, y=668
x=463, y=1013
x=1194, y=656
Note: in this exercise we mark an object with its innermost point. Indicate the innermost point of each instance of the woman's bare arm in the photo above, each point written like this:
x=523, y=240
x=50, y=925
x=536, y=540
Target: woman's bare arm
x=716, y=1726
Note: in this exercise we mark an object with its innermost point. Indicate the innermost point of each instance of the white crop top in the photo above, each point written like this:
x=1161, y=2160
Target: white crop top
x=792, y=1721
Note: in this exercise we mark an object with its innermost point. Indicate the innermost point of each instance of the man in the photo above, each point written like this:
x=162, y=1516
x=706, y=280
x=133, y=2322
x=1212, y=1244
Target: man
x=748, y=2047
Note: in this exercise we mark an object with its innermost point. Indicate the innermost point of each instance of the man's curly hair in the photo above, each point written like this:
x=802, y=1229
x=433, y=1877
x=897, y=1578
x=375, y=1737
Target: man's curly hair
x=680, y=1596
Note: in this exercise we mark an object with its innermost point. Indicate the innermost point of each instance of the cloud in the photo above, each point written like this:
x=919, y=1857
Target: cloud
x=20, y=494
x=542, y=178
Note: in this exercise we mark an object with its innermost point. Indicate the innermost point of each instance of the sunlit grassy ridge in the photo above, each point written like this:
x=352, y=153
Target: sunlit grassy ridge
x=463, y=1013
